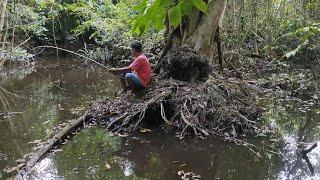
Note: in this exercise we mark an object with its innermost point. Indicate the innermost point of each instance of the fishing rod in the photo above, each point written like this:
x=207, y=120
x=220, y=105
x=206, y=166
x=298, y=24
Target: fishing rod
x=72, y=52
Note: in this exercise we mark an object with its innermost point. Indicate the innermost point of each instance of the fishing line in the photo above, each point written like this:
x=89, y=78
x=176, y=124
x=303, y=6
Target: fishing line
x=72, y=52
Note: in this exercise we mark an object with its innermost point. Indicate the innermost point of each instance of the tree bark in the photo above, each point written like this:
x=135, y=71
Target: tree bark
x=190, y=48
x=200, y=30
x=254, y=22
x=14, y=26
x=2, y=18
x=220, y=54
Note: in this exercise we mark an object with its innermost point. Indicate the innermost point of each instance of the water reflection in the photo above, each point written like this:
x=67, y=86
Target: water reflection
x=297, y=123
x=142, y=156
x=156, y=156
x=86, y=156
x=46, y=169
x=43, y=105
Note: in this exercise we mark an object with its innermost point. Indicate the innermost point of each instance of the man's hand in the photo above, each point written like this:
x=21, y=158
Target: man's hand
x=114, y=70
x=120, y=70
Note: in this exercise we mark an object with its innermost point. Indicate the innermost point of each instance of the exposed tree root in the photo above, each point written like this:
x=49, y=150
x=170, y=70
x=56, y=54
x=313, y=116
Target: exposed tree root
x=223, y=107
x=184, y=64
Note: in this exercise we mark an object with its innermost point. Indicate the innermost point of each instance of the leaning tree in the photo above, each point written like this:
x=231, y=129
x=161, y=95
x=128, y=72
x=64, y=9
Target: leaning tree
x=192, y=33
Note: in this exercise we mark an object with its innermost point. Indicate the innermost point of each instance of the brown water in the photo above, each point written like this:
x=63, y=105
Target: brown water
x=142, y=156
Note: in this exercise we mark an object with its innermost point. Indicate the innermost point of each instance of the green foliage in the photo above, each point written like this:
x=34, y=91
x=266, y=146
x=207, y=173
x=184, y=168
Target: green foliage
x=38, y=19
x=29, y=21
x=309, y=37
x=175, y=16
x=153, y=14
x=17, y=54
x=98, y=22
x=103, y=21
x=272, y=29
x=201, y=5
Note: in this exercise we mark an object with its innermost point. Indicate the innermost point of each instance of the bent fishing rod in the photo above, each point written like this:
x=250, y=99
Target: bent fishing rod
x=72, y=52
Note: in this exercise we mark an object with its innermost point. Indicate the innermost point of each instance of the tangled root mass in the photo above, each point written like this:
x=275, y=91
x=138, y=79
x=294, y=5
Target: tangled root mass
x=184, y=64
x=217, y=106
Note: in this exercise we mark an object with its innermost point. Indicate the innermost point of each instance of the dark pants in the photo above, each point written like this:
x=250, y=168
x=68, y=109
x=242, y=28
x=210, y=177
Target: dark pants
x=133, y=80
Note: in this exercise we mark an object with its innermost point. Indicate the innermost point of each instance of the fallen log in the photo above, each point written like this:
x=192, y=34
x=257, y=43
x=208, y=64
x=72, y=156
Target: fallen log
x=22, y=173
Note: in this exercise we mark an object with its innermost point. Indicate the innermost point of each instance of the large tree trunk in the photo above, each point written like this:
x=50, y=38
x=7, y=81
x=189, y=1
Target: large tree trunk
x=198, y=33
x=201, y=34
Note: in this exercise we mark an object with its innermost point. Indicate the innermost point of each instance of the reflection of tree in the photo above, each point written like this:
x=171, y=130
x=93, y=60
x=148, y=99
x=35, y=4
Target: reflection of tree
x=298, y=123
x=153, y=156
x=164, y=156
x=40, y=103
x=304, y=134
x=22, y=128
x=6, y=98
x=7, y=78
x=85, y=156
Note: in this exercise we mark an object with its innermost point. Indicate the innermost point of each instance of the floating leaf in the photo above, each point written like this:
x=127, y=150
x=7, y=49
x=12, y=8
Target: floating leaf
x=183, y=165
x=180, y=173
x=37, y=141
x=57, y=150
x=15, y=168
x=143, y=130
x=107, y=166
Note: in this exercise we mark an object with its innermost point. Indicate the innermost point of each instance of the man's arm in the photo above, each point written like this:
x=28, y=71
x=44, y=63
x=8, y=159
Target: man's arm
x=120, y=70
x=132, y=67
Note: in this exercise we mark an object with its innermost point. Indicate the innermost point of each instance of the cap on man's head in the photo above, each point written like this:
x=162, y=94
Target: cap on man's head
x=137, y=46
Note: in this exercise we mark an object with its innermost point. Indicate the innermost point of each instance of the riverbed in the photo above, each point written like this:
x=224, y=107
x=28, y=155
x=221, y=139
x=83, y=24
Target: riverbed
x=54, y=91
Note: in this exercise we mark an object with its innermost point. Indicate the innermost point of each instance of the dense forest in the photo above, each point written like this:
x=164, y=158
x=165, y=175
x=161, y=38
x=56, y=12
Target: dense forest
x=233, y=91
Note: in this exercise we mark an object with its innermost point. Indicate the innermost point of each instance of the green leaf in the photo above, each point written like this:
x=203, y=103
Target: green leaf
x=296, y=50
x=175, y=16
x=291, y=53
x=200, y=5
x=159, y=21
x=141, y=6
x=186, y=7
x=166, y=3
x=140, y=25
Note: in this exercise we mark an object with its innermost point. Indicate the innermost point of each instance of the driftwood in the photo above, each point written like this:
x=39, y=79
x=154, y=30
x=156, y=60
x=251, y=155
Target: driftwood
x=47, y=147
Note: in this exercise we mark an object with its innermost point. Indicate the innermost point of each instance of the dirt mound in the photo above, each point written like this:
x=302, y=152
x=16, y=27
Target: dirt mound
x=222, y=107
